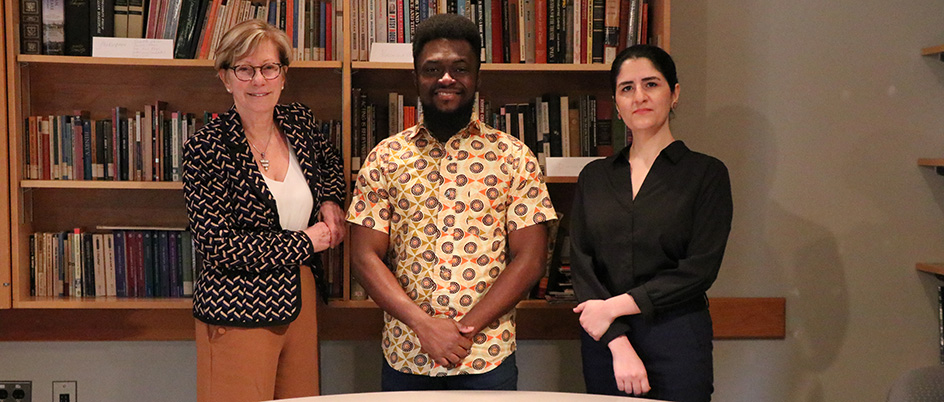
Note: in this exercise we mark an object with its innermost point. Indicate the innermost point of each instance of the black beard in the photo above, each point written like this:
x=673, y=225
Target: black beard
x=443, y=125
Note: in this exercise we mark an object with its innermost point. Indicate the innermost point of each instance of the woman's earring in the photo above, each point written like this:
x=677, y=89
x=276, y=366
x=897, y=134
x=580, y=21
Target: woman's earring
x=229, y=90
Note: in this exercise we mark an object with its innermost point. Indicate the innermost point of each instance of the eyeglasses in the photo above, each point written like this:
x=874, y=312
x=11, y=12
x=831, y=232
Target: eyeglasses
x=269, y=71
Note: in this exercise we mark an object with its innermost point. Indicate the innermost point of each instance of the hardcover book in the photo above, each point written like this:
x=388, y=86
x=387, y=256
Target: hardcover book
x=54, y=21
x=31, y=27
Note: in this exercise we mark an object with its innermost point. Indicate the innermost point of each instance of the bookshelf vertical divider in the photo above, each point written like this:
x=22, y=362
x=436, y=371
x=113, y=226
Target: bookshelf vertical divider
x=6, y=282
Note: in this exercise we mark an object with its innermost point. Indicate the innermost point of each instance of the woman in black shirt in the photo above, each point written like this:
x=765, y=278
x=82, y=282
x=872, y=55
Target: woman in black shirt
x=648, y=230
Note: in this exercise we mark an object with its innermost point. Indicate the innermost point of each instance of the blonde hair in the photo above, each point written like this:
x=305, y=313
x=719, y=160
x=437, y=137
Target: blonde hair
x=245, y=37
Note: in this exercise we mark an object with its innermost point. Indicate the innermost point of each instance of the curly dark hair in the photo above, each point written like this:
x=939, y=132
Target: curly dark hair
x=446, y=26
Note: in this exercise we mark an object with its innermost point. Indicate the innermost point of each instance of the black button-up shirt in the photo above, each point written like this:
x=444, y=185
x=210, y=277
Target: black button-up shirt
x=665, y=246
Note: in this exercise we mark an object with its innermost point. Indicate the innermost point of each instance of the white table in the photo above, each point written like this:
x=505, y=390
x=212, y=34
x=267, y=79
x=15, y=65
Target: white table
x=467, y=396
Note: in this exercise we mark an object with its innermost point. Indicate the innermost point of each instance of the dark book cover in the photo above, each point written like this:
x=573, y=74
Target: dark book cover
x=78, y=39
x=530, y=126
x=599, y=36
x=100, y=155
x=31, y=27
x=162, y=265
x=102, y=18
x=121, y=272
x=554, y=124
x=511, y=120
x=552, y=10
x=124, y=164
x=133, y=264
x=187, y=29
x=88, y=266
x=151, y=286
x=514, y=39
x=174, y=264
x=108, y=162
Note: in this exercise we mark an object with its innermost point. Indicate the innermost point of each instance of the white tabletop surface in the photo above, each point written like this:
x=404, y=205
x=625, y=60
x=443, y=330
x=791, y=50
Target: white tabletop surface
x=466, y=396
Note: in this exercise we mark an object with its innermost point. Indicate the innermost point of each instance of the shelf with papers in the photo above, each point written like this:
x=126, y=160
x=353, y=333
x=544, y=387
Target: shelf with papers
x=127, y=62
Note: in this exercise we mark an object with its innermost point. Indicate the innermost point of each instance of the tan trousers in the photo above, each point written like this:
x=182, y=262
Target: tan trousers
x=260, y=364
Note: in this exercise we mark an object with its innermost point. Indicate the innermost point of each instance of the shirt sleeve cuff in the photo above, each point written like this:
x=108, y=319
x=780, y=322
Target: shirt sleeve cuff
x=643, y=302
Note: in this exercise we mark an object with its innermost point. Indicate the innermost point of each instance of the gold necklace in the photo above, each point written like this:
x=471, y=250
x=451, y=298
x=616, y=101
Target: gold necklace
x=262, y=153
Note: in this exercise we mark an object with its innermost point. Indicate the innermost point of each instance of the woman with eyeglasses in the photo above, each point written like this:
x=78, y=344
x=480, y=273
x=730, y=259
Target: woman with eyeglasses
x=264, y=192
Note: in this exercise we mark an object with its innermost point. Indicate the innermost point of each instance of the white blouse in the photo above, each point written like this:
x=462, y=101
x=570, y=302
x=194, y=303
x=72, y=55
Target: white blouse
x=293, y=198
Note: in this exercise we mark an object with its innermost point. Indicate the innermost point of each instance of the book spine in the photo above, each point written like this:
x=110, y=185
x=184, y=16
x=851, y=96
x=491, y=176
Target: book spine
x=121, y=18
x=31, y=27
x=121, y=273
x=54, y=20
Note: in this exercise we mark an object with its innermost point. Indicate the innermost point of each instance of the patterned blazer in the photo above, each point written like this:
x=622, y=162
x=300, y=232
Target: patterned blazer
x=250, y=274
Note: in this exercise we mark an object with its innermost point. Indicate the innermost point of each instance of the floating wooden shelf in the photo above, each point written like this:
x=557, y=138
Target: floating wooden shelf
x=934, y=268
x=936, y=163
x=937, y=51
x=171, y=319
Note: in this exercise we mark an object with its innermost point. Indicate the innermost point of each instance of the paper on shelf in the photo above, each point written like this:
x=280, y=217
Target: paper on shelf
x=132, y=48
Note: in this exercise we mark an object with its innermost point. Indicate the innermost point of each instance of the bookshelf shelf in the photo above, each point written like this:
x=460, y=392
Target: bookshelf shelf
x=103, y=303
x=934, y=51
x=501, y=67
x=935, y=268
x=129, y=62
x=936, y=163
x=113, y=185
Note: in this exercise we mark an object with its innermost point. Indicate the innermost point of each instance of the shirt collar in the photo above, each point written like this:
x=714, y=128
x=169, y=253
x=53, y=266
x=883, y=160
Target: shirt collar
x=474, y=128
x=674, y=152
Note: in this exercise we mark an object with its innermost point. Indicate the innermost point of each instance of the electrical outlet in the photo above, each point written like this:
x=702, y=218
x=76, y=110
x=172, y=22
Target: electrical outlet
x=16, y=391
x=63, y=391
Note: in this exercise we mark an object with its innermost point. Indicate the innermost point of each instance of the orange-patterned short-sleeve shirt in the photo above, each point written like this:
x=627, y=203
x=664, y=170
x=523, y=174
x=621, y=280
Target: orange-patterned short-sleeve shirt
x=448, y=209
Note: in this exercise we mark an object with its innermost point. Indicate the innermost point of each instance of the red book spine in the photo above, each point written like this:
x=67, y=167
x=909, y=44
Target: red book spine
x=498, y=55
x=400, y=21
x=329, y=31
x=540, y=31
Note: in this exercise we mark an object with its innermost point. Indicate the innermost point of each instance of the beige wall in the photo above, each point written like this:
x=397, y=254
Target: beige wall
x=820, y=110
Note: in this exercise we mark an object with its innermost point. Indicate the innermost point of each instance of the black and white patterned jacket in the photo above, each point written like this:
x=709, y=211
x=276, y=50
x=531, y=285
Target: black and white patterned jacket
x=250, y=274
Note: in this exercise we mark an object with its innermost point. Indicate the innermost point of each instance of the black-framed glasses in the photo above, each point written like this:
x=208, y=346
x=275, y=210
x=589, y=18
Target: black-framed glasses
x=269, y=71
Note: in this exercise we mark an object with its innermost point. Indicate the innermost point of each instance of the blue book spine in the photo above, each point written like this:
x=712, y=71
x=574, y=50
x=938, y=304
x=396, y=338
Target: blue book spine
x=173, y=262
x=87, y=149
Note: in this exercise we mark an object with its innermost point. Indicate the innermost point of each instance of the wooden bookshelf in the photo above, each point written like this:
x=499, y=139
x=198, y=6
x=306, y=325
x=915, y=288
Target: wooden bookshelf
x=6, y=280
x=50, y=85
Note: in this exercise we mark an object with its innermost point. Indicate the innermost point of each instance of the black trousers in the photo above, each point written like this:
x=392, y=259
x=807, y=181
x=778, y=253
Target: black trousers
x=501, y=378
x=675, y=349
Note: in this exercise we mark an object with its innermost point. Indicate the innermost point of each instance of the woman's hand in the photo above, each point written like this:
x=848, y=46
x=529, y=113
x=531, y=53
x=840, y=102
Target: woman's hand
x=628, y=369
x=320, y=236
x=595, y=317
x=332, y=216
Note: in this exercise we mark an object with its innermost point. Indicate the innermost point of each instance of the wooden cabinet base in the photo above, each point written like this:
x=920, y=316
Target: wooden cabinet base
x=734, y=318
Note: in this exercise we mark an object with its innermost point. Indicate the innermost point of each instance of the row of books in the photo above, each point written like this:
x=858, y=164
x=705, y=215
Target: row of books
x=118, y=263
x=513, y=31
x=143, y=146
x=550, y=125
x=57, y=27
